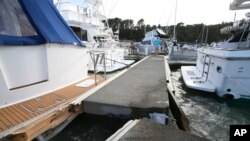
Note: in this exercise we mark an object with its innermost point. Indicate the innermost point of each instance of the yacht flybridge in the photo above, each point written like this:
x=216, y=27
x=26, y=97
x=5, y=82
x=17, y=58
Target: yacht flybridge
x=224, y=69
x=86, y=20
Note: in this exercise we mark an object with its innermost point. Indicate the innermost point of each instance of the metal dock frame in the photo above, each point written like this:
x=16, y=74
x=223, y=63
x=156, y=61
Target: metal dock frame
x=95, y=55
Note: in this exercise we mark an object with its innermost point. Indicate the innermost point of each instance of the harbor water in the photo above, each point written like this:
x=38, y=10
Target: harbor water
x=90, y=128
x=210, y=116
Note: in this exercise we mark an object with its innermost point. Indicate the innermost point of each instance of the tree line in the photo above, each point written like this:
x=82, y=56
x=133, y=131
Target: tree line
x=128, y=30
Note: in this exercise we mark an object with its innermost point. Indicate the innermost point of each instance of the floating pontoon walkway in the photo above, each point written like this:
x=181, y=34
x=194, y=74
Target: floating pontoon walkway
x=136, y=93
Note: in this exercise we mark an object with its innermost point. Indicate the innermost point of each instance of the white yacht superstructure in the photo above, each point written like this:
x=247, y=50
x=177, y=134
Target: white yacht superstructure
x=224, y=69
x=86, y=19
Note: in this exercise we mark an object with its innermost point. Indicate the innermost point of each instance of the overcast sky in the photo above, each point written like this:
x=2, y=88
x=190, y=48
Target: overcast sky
x=162, y=11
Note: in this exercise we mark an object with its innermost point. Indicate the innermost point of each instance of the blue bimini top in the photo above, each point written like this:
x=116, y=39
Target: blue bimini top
x=33, y=22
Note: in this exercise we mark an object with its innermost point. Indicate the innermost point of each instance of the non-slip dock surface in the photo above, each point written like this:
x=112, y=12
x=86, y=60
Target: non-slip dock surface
x=138, y=92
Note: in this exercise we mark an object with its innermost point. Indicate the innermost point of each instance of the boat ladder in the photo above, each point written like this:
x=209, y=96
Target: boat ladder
x=205, y=70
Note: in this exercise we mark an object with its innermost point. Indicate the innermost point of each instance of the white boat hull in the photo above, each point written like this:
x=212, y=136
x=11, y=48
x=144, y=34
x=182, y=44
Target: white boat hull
x=30, y=71
x=228, y=72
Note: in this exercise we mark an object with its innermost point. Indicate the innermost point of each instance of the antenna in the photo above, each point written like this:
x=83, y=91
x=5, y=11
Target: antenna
x=234, y=16
x=106, y=19
x=174, y=36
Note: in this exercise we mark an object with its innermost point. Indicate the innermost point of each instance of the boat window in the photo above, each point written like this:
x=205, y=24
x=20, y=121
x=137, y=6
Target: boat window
x=238, y=35
x=82, y=34
x=147, y=42
x=13, y=20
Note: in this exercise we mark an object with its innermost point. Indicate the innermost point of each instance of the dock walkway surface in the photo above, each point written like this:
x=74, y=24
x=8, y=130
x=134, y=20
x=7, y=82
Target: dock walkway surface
x=147, y=130
x=136, y=93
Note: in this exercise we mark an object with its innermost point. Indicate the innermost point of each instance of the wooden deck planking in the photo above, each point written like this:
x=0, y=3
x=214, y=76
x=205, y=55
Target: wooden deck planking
x=28, y=107
x=2, y=126
x=14, y=115
x=10, y=117
x=23, y=111
x=20, y=116
x=5, y=120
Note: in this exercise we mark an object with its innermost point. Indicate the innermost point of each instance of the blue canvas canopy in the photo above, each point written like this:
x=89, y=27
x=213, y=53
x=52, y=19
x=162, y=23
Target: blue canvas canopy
x=31, y=22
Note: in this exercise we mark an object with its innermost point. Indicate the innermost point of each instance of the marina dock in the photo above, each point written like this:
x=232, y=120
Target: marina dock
x=133, y=95
x=136, y=93
x=145, y=129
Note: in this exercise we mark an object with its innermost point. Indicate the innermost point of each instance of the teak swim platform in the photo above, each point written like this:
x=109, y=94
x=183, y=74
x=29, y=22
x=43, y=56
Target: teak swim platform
x=28, y=119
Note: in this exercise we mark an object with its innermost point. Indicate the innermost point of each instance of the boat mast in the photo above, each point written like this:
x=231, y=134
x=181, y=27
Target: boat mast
x=206, y=36
x=174, y=34
x=202, y=34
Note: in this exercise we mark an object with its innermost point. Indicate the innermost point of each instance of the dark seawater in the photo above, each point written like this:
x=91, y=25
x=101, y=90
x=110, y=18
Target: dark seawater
x=210, y=115
x=90, y=128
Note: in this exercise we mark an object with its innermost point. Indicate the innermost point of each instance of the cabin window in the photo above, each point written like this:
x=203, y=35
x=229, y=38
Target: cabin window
x=13, y=20
x=240, y=35
x=147, y=42
x=81, y=34
x=237, y=37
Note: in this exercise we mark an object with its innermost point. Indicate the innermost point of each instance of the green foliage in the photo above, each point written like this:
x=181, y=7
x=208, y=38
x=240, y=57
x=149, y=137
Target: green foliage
x=184, y=33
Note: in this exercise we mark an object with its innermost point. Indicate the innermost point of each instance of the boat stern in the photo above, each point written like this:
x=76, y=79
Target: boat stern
x=194, y=79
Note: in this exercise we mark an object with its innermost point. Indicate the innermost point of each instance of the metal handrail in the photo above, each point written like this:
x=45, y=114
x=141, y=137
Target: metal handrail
x=205, y=61
x=94, y=55
x=209, y=62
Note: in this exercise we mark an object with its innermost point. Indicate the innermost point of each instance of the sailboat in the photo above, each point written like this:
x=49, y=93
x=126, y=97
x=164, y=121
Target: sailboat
x=179, y=54
x=86, y=19
x=224, y=69
x=41, y=62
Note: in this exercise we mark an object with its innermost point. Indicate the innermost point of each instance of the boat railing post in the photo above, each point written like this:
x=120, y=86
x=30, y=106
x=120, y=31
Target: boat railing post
x=104, y=65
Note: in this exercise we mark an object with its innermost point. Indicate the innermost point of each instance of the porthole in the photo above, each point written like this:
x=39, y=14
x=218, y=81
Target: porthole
x=219, y=69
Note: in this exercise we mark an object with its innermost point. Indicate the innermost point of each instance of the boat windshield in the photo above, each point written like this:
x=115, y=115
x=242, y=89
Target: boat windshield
x=240, y=36
x=13, y=21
